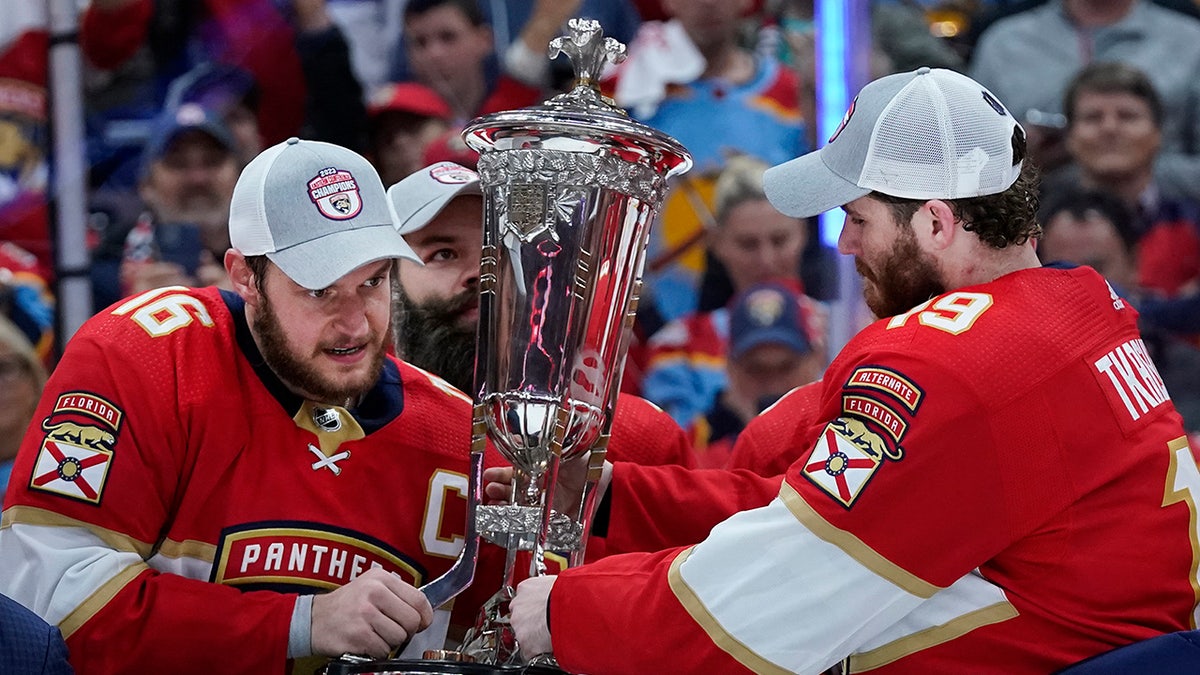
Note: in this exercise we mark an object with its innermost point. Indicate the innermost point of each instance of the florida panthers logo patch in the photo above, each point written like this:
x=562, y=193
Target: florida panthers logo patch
x=845, y=459
x=335, y=192
x=81, y=433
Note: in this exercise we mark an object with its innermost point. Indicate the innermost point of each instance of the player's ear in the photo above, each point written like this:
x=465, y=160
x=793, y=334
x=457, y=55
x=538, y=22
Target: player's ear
x=241, y=276
x=942, y=223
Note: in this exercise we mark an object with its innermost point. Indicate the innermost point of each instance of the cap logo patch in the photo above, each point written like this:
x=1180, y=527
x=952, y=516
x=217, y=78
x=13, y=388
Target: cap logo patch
x=765, y=307
x=845, y=120
x=996, y=105
x=190, y=115
x=335, y=192
x=452, y=174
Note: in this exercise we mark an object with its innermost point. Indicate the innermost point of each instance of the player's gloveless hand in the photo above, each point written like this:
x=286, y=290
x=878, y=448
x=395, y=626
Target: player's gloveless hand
x=371, y=615
x=572, y=477
x=528, y=617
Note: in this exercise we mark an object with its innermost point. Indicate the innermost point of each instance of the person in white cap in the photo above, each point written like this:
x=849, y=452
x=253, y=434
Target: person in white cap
x=996, y=480
x=439, y=209
x=222, y=482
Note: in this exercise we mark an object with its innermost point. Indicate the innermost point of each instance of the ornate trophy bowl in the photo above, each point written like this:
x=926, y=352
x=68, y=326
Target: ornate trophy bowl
x=570, y=188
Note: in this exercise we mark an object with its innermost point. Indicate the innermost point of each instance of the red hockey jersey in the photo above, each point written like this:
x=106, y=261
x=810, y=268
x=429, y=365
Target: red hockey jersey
x=172, y=497
x=996, y=482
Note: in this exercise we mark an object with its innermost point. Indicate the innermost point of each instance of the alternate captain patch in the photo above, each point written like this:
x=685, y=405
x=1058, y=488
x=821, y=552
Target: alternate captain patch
x=335, y=192
x=846, y=456
x=889, y=382
x=77, y=450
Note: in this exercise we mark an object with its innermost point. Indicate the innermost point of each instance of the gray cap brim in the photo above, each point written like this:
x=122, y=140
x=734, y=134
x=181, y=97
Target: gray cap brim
x=420, y=197
x=319, y=263
x=805, y=187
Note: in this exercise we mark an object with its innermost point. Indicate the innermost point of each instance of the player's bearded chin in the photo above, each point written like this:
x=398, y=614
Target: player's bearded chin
x=905, y=278
x=430, y=335
x=297, y=371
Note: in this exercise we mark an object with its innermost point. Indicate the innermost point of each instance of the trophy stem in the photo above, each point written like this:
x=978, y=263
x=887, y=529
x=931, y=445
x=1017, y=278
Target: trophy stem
x=491, y=640
x=547, y=483
x=587, y=505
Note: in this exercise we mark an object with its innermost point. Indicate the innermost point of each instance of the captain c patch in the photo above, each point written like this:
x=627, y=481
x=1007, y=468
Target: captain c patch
x=77, y=451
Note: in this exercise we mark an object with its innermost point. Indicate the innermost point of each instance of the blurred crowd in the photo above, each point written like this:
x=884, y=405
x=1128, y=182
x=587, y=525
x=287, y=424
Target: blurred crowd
x=180, y=95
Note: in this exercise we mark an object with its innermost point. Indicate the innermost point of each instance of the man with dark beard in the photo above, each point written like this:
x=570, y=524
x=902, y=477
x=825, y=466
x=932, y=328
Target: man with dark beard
x=439, y=209
x=995, y=479
x=231, y=481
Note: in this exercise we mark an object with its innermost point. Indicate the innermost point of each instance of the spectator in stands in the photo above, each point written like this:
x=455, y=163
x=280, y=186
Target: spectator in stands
x=189, y=170
x=1029, y=58
x=1113, y=135
x=543, y=20
x=770, y=354
x=25, y=299
x=373, y=30
x=232, y=94
x=293, y=51
x=686, y=366
x=693, y=78
x=1093, y=228
x=448, y=44
x=24, y=130
x=21, y=378
x=404, y=118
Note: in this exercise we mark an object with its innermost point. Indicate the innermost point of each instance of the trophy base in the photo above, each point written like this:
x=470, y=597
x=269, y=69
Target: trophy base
x=425, y=666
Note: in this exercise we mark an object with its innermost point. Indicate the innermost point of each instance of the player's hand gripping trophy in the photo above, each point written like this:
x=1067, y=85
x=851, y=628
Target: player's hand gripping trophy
x=570, y=189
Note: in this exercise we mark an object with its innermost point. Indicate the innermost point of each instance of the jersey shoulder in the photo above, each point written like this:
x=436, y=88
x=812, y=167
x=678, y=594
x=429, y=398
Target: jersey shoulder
x=172, y=317
x=1013, y=329
x=773, y=440
x=645, y=434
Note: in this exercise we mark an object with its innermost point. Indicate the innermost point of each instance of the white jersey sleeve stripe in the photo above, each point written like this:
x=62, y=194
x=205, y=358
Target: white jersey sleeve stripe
x=852, y=545
x=734, y=587
x=723, y=639
x=64, y=574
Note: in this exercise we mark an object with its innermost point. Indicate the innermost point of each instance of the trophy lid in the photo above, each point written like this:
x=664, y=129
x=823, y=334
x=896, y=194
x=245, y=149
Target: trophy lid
x=581, y=120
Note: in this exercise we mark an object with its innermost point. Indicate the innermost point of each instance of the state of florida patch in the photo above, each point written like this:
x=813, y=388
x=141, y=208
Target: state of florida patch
x=844, y=459
x=77, y=450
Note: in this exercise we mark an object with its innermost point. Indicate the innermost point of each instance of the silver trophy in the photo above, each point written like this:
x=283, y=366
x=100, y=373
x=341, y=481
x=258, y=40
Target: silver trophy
x=570, y=189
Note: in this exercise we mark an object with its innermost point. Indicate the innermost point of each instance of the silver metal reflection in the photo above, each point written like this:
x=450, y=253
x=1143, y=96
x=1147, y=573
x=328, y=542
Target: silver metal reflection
x=570, y=189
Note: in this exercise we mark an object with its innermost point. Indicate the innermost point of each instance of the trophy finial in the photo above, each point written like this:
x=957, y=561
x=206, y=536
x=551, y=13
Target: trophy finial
x=588, y=50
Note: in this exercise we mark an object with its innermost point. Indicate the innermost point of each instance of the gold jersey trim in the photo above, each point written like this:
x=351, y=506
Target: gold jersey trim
x=853, y=546
x=99, y=598
x=32, y=515
x=932, y=636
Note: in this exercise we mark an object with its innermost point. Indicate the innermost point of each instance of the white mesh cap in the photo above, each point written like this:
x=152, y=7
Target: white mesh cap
x=421, y=196
x=927, y=134
x=316, y=210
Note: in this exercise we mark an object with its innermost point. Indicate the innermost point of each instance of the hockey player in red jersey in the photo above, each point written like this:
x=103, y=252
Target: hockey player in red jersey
x=995, y=480
x=230, y=482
